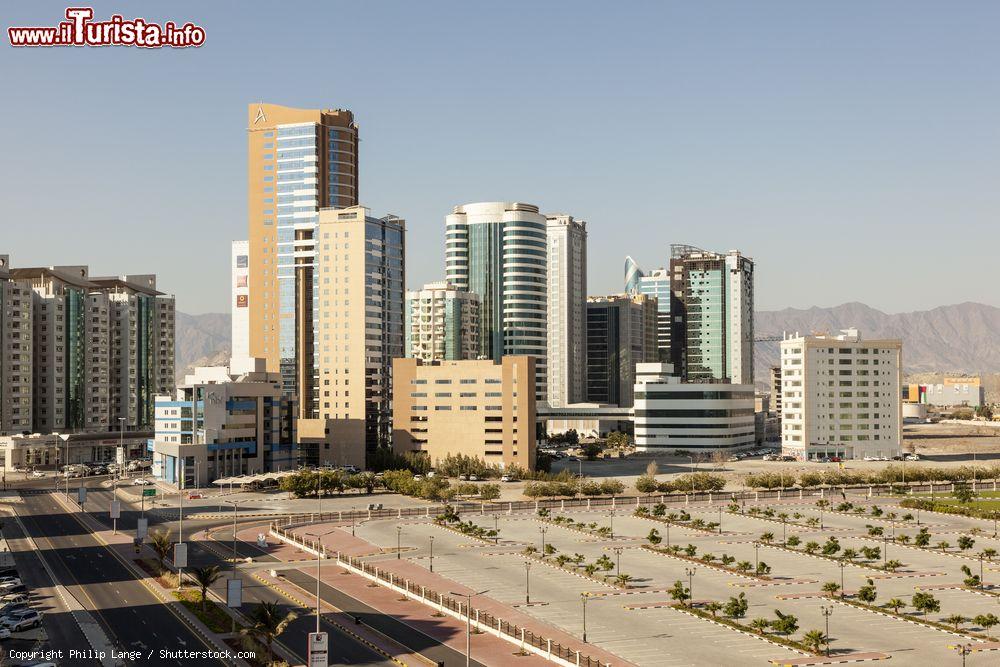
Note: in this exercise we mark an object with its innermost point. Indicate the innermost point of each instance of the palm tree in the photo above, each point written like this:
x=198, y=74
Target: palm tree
x=161, y=544
x=849, y=555
x=986, y=621
x=206, y=577
x=760, y=625
x=623, y=579
x=713, y=607
x=267, y=622
x=989, y=554
x=831, y=588
x=814, y=639
x=767, y=538
x=895, y=604
x=955, y=620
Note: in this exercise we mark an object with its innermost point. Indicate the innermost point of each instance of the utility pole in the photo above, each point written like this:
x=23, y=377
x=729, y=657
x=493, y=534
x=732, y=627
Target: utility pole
x=827, y=612
x=468, y=624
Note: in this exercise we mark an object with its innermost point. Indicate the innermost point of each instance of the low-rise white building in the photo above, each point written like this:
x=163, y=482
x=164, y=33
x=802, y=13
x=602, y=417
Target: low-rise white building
x=693, y=416
x=222, y=424
x=840, y=396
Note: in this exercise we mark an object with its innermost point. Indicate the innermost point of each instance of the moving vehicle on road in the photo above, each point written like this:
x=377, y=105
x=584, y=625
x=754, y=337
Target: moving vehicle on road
x=141, y=481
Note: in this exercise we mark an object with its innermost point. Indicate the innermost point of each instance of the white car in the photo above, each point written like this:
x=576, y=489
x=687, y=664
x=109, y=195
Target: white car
x=911, y=457
x=141, y=481
x=37, y=473
x=22, y=620
x=473, y=478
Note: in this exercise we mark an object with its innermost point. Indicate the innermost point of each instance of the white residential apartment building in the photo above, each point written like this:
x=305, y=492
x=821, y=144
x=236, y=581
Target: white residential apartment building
x=442, y=323
x=84, y=351
x=566, y=239
x=15, y=353
x=840, y=396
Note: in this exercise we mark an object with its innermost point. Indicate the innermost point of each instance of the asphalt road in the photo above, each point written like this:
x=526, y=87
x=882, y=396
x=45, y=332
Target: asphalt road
x=129, y=613
x=344, y=649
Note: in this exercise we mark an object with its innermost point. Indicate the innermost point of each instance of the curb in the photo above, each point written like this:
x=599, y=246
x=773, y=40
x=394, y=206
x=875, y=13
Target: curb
x=354, y=635
x=207, y=636
x=742, y=632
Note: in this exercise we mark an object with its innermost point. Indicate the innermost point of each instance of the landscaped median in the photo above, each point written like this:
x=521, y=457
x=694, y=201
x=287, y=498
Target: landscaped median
x=779, y=630
x=682, y=519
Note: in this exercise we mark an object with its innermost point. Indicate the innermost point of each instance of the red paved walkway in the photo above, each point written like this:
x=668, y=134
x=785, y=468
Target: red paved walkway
x=446, y=629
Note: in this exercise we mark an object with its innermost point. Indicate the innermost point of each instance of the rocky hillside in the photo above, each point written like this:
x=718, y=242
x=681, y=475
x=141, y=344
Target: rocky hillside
x=962, y=338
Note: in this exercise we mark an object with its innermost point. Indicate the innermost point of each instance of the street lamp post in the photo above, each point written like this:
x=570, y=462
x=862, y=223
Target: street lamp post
x=399, y=548
x=689, y=571
x=235, y=504
x=583, y=598
x=842, y=565
x=885, y=550
x=611, y=516
x=827, y=612
x=964, y=650
x=352, y=523
x=756, y=555
x=468, y=623
x=527, y=582
x=432, y=552
x=981, y=583
x=668, y=533
x=496, y=523
x=618, y=558
x=720, y=521
x=543, y=530
x=319, y=561
x=784, y=532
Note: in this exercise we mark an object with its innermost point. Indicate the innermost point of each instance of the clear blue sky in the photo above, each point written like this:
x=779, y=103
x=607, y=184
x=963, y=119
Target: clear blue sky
x=851, y=148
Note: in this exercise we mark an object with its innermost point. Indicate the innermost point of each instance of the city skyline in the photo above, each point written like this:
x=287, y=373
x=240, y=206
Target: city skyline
x=775, y=123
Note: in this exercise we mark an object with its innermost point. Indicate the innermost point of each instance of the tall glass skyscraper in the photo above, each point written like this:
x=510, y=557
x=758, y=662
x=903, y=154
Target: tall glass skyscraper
x=498, y=251
x=300, y=160
x=655, y=283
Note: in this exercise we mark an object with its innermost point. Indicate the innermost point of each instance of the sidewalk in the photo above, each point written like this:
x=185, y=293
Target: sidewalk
x=445, y=629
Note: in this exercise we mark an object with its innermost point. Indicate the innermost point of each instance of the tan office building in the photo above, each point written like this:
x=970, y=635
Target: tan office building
x=346, y=378
x=480, y=408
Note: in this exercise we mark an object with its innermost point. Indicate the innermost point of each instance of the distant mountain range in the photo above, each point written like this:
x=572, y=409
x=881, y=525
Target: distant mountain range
x=962, y=338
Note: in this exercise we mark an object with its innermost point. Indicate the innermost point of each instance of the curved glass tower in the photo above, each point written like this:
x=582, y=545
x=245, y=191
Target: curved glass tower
x=497, y=250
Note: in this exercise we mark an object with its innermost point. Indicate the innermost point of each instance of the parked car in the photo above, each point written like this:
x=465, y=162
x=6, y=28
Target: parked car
x=141, y=481
x=473, y=478
x=13, y=597
x=38, y=473
x=911, y=457
x=21, y=620
x=463, y=478
x=195, y=496
x=12, y=607
x=508, y=478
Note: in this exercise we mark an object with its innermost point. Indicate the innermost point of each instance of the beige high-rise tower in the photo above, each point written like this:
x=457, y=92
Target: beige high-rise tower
x=299, y=161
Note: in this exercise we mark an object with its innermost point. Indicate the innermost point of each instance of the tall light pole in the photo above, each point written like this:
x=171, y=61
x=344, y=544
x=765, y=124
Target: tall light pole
x=352, y=527
x=756, y=558
x=399, y=548
x=827, y=612
x=583, y=598
x=468, y=624
x=543, y=530
x=842, y=565
x=319, y=561
x=618, y=558
x=611, y=516
x=689, y=571
x=432, y=552
x=527, y=582
x=235, y=504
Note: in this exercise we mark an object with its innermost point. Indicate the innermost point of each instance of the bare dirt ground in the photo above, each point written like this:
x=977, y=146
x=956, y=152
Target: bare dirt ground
x=952, y=439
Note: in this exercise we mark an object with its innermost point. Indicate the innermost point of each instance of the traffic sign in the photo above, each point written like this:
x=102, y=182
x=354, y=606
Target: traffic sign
x=148, y=492
x=318, y=651
x=142, y=528
x=180, y=555
x=116, y=509
x=81, y=495
x=234, y=593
